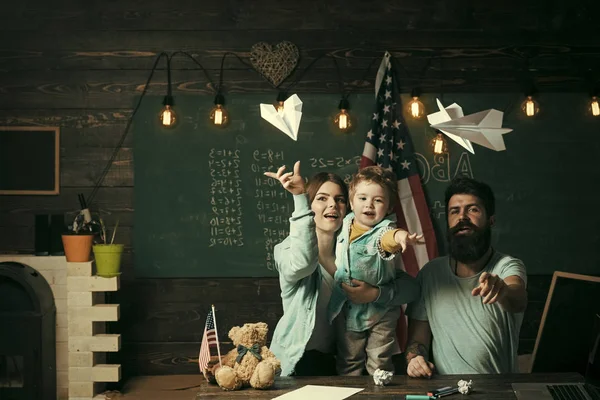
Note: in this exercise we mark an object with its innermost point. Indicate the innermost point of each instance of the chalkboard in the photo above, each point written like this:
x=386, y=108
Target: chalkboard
x=29, y=160
x=204, y=209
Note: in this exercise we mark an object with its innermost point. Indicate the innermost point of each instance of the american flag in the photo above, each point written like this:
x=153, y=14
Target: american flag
x=210, y=341
x=389, y=145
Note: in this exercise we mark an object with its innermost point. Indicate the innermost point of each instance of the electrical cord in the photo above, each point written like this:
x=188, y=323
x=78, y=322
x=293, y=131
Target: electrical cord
x=126, y=131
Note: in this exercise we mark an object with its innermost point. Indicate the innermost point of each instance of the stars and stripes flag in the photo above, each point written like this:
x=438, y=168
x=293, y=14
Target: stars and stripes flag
x=389, y=145
x=210, y=341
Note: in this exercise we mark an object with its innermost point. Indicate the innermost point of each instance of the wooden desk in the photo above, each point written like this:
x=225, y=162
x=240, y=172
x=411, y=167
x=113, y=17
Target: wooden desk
x=194, y=387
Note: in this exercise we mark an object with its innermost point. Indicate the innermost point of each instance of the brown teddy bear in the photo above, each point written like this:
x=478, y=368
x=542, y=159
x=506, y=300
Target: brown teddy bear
x=250, y=363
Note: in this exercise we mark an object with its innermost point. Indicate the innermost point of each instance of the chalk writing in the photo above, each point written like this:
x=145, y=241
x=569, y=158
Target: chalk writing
x=333, y=162
x=438, y=210
x=226, y=199
x=440, y=169
x=271, y=208
x=273, y=157
x=464, y=166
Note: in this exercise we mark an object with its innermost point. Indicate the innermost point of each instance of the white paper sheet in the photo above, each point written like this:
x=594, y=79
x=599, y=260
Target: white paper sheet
x=315, y=392
x=289, y=121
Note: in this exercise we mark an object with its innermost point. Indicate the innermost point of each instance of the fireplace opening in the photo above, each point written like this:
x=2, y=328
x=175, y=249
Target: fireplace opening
x=28, y=334
x=11, y=371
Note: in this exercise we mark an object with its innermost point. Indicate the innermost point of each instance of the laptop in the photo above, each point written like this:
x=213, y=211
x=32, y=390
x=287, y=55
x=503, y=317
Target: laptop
x=587, y=390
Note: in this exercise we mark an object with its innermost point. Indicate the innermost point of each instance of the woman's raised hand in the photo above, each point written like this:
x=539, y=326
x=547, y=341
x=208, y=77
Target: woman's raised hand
x=291, y=181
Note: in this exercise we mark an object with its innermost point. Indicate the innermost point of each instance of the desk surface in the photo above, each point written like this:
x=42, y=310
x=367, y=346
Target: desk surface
x=194, y=387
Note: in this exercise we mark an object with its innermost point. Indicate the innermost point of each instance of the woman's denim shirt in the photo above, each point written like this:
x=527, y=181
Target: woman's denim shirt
x=297, y=260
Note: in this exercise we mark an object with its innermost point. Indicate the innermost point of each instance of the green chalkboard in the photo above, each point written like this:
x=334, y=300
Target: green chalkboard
x=204, y=209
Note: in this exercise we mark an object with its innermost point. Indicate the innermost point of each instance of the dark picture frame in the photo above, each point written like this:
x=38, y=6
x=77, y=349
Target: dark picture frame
x=29, y=160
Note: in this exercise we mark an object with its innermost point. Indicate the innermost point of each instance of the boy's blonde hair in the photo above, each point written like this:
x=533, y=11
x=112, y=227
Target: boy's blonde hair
x=375, y=174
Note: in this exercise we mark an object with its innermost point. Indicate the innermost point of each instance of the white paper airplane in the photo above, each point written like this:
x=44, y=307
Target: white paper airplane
x=287, y=121
x=483, y=128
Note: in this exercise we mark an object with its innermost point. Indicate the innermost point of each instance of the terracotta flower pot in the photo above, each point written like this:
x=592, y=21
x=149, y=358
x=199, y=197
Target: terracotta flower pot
x=78, y=248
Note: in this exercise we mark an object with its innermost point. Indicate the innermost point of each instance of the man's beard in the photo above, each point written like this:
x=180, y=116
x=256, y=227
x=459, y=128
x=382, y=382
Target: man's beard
x=470, y=247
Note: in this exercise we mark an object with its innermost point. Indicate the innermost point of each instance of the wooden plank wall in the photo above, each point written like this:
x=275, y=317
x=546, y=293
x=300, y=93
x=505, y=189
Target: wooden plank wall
x=82, y=65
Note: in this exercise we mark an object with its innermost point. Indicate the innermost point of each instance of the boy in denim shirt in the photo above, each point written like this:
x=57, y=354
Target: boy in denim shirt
x=365, y=250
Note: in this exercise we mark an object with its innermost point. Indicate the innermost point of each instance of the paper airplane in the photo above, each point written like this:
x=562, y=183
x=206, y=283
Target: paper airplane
x=288, y=120
x=483, y=128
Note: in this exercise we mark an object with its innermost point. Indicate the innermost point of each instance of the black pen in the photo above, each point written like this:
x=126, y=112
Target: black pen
x=447, y=392
x=435, y=392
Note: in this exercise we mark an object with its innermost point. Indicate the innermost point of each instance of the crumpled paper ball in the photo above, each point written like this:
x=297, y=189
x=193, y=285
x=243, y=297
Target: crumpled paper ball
x=381, y=377
x=465, y=387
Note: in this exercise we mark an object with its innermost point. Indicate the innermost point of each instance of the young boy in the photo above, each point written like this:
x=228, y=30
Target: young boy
x=365, y=250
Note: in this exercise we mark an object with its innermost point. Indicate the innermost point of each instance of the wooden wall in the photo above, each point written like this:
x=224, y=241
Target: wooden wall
x=82, y=65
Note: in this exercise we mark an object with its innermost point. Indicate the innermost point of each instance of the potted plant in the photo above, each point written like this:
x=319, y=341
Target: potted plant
x=78, y=238
x=108, y=255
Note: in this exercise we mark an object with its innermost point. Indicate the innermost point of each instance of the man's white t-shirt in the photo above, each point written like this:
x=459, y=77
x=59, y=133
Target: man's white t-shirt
x=469, y=337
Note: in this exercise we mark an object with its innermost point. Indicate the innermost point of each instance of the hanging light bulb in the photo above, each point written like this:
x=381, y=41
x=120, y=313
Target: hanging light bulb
x=530, y=107
x=219, y=115
x=167, y=117
x=438, y=144
x=595, y=107
x=416, y=109
x=342, y=120
x=281, y=97
x=279, y=107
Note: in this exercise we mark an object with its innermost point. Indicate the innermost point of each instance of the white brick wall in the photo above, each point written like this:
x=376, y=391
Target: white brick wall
x=79, y=325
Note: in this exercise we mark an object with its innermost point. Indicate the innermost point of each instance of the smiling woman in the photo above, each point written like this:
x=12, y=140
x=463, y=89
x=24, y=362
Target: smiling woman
x=303, y=340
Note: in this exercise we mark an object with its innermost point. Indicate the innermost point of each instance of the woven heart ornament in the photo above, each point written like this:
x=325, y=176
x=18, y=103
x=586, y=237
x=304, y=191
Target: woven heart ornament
x=276, y=63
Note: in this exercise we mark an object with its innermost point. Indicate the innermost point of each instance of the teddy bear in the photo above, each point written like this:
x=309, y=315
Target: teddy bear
x=250, y=363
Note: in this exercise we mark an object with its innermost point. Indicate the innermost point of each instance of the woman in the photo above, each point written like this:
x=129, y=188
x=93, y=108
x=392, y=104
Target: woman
x=303, y=340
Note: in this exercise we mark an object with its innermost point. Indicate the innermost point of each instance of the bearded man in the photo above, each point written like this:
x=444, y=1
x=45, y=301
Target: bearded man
x=472, y=301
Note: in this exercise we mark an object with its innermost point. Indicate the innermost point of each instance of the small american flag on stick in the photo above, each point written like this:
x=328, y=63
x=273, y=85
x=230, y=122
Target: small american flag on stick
x=210, y=341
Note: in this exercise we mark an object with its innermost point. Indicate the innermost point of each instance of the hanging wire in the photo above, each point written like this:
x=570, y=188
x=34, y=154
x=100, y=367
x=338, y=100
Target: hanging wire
x=364, y=76
x=510, y=105
x=169, y=90
x=419, y=75
x=301, y=75
x=127, y=127
x=339, y=75
x=188, y=55
x=441, y=60
x=126, y=131
x=340, y=80
x=227, y=53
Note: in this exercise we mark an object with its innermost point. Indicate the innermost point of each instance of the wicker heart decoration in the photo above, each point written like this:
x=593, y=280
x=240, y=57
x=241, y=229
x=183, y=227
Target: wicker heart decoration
x=275, y=64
